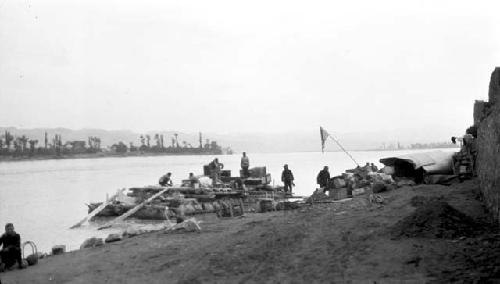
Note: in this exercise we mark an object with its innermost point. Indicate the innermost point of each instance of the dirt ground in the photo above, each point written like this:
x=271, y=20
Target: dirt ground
x=401, y=240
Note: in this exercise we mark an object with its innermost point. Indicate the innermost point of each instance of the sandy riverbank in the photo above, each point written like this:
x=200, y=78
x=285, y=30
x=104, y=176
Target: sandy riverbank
x=341, y=242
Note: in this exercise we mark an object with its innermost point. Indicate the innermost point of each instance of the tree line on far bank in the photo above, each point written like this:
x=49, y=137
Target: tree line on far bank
x=19, y=146
x=23, y=146
x=157, y=144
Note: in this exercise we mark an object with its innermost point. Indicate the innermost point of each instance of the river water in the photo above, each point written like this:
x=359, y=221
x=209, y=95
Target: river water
x=44, y=198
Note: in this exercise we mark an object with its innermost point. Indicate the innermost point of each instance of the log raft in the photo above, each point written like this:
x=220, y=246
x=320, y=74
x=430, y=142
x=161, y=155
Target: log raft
x=236, y=196
x=175, y=201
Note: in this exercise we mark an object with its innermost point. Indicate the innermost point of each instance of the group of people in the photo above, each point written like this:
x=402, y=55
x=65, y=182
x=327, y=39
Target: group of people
x=286, y=176
x=166, y=180
x=215, y=168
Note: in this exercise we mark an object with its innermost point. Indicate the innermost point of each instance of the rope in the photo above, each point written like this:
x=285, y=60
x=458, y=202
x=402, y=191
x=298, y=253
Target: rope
x=338, y=143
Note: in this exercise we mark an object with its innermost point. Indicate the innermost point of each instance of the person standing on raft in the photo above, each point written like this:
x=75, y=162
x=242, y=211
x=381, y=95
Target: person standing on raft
x=193, y=180
x=245, y=164
x=215, y=168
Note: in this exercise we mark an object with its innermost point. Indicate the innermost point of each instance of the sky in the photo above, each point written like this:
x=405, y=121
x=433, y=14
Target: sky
x=246, y=66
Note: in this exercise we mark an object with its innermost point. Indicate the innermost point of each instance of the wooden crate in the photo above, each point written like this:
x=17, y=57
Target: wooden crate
x=338, y=193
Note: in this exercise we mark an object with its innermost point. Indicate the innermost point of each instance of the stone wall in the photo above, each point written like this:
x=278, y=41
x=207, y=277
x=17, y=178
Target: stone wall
x=494, y=90
x=480, y=111
x=487, y=119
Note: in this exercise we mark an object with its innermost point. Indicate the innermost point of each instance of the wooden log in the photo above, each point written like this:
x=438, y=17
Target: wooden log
x=133, y=210
x=140, y=192
x=200, y=196
x=222, y=194
x=98, y=209
x=231, y=212
x=242, y=207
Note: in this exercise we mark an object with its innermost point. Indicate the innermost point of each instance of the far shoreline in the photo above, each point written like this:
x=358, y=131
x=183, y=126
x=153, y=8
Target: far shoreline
x=11, y=159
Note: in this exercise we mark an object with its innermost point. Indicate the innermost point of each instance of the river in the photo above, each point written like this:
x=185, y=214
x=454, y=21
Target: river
x=44, y=198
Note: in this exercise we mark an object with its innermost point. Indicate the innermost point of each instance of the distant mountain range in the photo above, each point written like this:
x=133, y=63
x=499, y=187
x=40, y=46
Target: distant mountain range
x=253, y=142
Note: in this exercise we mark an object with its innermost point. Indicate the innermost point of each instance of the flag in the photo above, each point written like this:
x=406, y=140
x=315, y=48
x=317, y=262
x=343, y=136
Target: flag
x=324, y=135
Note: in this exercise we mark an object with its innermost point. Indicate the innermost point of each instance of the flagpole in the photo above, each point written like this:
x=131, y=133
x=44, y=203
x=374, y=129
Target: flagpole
x=338, y=143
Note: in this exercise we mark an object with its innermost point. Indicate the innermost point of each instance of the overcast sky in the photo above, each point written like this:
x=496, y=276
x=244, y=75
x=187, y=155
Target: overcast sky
x=248, y=66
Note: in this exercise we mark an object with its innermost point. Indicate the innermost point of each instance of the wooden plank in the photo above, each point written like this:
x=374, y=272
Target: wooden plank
x=133, y=210
x=333, y=201
x=98, y=209
x=242, y=206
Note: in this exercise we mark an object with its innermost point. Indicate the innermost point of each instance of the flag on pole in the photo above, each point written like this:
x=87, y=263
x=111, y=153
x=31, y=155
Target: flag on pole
x=324, y=136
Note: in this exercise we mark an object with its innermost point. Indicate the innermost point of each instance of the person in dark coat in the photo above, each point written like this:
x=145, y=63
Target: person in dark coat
x=287, y=179
x=166, y=180
x=10, y=242
x=215, y=169
x=245, y=164
x=323, y=178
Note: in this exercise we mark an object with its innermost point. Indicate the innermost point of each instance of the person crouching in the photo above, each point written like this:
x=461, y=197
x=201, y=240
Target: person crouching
x=166, y=180
x=11, y=248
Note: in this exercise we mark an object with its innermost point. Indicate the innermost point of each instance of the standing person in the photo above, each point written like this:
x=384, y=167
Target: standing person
x=473, y=152
x=215, y=168
x=323, y=178
x=287, y=179
x=245, y=164
x=166, y=180
x=193, y=180
x=11, y=248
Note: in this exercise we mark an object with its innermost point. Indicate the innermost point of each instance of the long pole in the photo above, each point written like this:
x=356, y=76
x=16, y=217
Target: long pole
x=338, y=143
x=98, y=209
x=133, y=210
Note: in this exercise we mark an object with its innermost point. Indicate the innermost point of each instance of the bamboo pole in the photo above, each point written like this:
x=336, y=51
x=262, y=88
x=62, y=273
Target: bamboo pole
x=98, y=209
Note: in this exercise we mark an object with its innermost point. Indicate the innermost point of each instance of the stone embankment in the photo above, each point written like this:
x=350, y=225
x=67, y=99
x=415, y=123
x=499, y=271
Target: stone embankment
x=487, y=122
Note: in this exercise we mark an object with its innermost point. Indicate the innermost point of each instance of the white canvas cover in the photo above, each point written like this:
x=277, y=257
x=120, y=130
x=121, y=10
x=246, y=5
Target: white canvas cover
x=435, y=162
